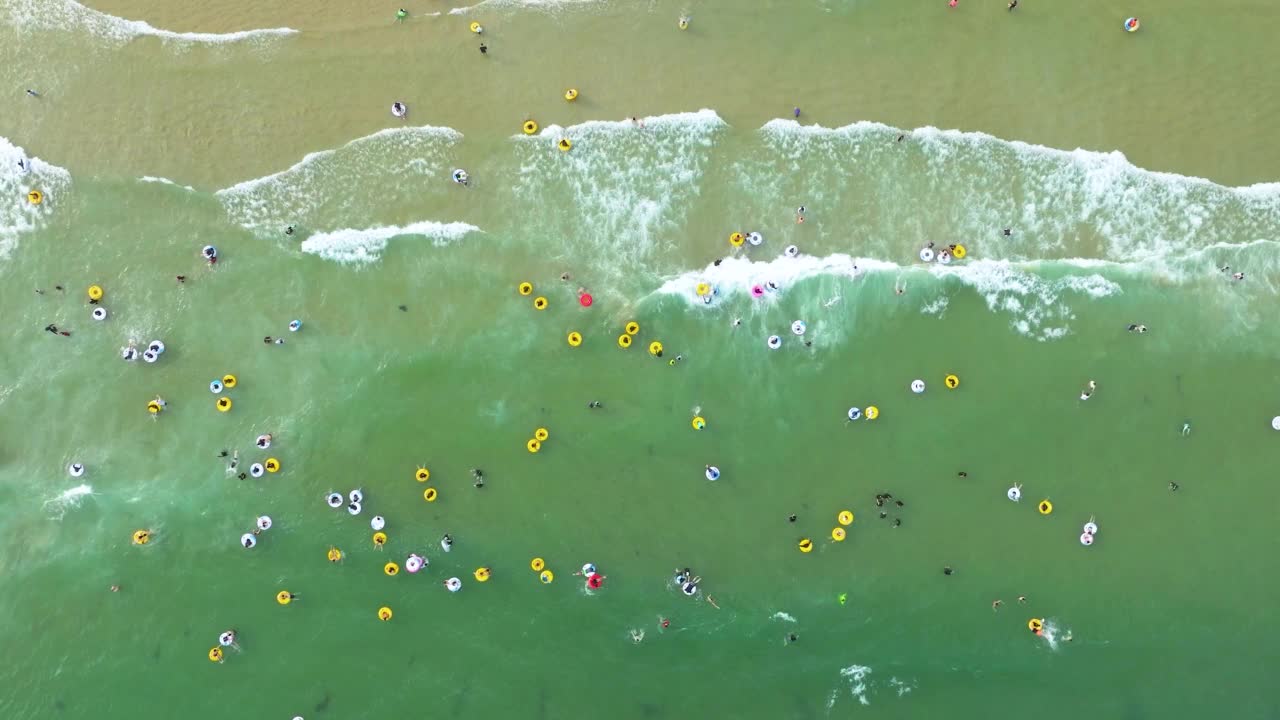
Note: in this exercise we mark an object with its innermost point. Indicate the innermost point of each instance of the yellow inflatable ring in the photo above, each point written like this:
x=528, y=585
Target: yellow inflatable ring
x=541, y=434
x=215, y=654
x=575, y=339
x=546, y=576
x=537, y=565
x=837, y=534
x=806, y=545
x=95, y=292
x=430, y=494
x=624, y=341
x=228, y=381
x=530, y=127
x=1045, y=507
x=272, y=465
x=736, y=239
x=482, y=574
x=1035, y=624
x=699, y=423
x=571, y=94
x=655, y=348
x=423, y=474
x=702, y=289
x=633, y=327
x=334, y=554
x=525, y=288
x=223, y=404
x=565, y=145
x=154, y=407
x=951, y=381
x=384, y=613
x=873, y=412
x=35, y=197
x=141, y=537
x=845, y=517
x=959, y=252
x=475, y=28
x=379, y=539
x=539, y=303
x=391, y=569
x=283, y=597
x=533, y=445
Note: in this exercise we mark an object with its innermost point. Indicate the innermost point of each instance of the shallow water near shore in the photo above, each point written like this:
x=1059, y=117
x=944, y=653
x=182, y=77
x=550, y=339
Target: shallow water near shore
x=232, y=121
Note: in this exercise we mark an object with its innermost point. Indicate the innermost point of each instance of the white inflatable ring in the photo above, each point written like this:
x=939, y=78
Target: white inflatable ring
x=256, y=470
x=774, y=342
x=334, y=500
x=99, y=313
x=926, y=254
x=755, y=238
x=854, y=413
x=917, y=386
x=798, y=327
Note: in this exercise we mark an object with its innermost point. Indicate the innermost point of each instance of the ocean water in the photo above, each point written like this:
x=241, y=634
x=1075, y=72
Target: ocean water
x=418, y=350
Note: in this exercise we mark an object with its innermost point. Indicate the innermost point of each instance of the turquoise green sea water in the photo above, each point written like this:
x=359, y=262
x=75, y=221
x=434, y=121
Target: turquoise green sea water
x=417, y=350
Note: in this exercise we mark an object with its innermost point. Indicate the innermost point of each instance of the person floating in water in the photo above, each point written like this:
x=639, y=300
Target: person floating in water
x=1088, y=391
x=33, y=93
x=1138, y=328
x=288, y=230
x=478, y=475
x=1237, y=276
x=483, y=50
x=1013, y=5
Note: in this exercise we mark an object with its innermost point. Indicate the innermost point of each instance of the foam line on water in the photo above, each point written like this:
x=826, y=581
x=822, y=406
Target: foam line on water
x=623, y=190
x=71, y=16
x=18, y=215
x=942, y=184
x=351, y=246
x=164, y=181
x=1037, y=304
x=332, y=189
x=546, y=5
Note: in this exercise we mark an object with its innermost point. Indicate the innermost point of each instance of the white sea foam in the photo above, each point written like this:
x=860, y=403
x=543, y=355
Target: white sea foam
x=366, y=245
x=546, y=5
x=785, y=617
x=330, y=188
x=856, y=676
x=954, y=186
x=17, y=215
x=164, y=181
x=72, y=17
x=623, y=190
x=1036, y=303
x=67, y=500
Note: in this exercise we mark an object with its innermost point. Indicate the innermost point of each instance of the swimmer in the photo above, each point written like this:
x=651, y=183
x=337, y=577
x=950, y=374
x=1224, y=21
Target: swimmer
x=181, y=278
x=223, y=453
x=898, y=502
x=1237, y=276
x=800, y=215
x=235, y=460
x=675, y=360
x=279, y=341
x=404, y=308
x=962, y=474
x=995, y=605
x=1068, y=636
x=790, y=638
x=115, y=588
x=1022, y=599
x=796, y=112
x=637, y=635
x=712, y=602
x=1173, y=486
x=564, y=276
x=664, y=623
x=401, y=14
x=266, y=340
x=478, y=474
x=901, y=138
x=1008, y=232
x=737, y=322
x=834, y=299
x=595, y=405
x=1138, y=328
x=953, y=3
x=1186, y=428
x=1088, y=391
x=288, y=230
x=883, y=514
x=947, y=570
x=897, y=522
x=483, y=50
x=243, y=476
x=1013, y=5
x=791, y=518
x=446, y=543
x=33, y=93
